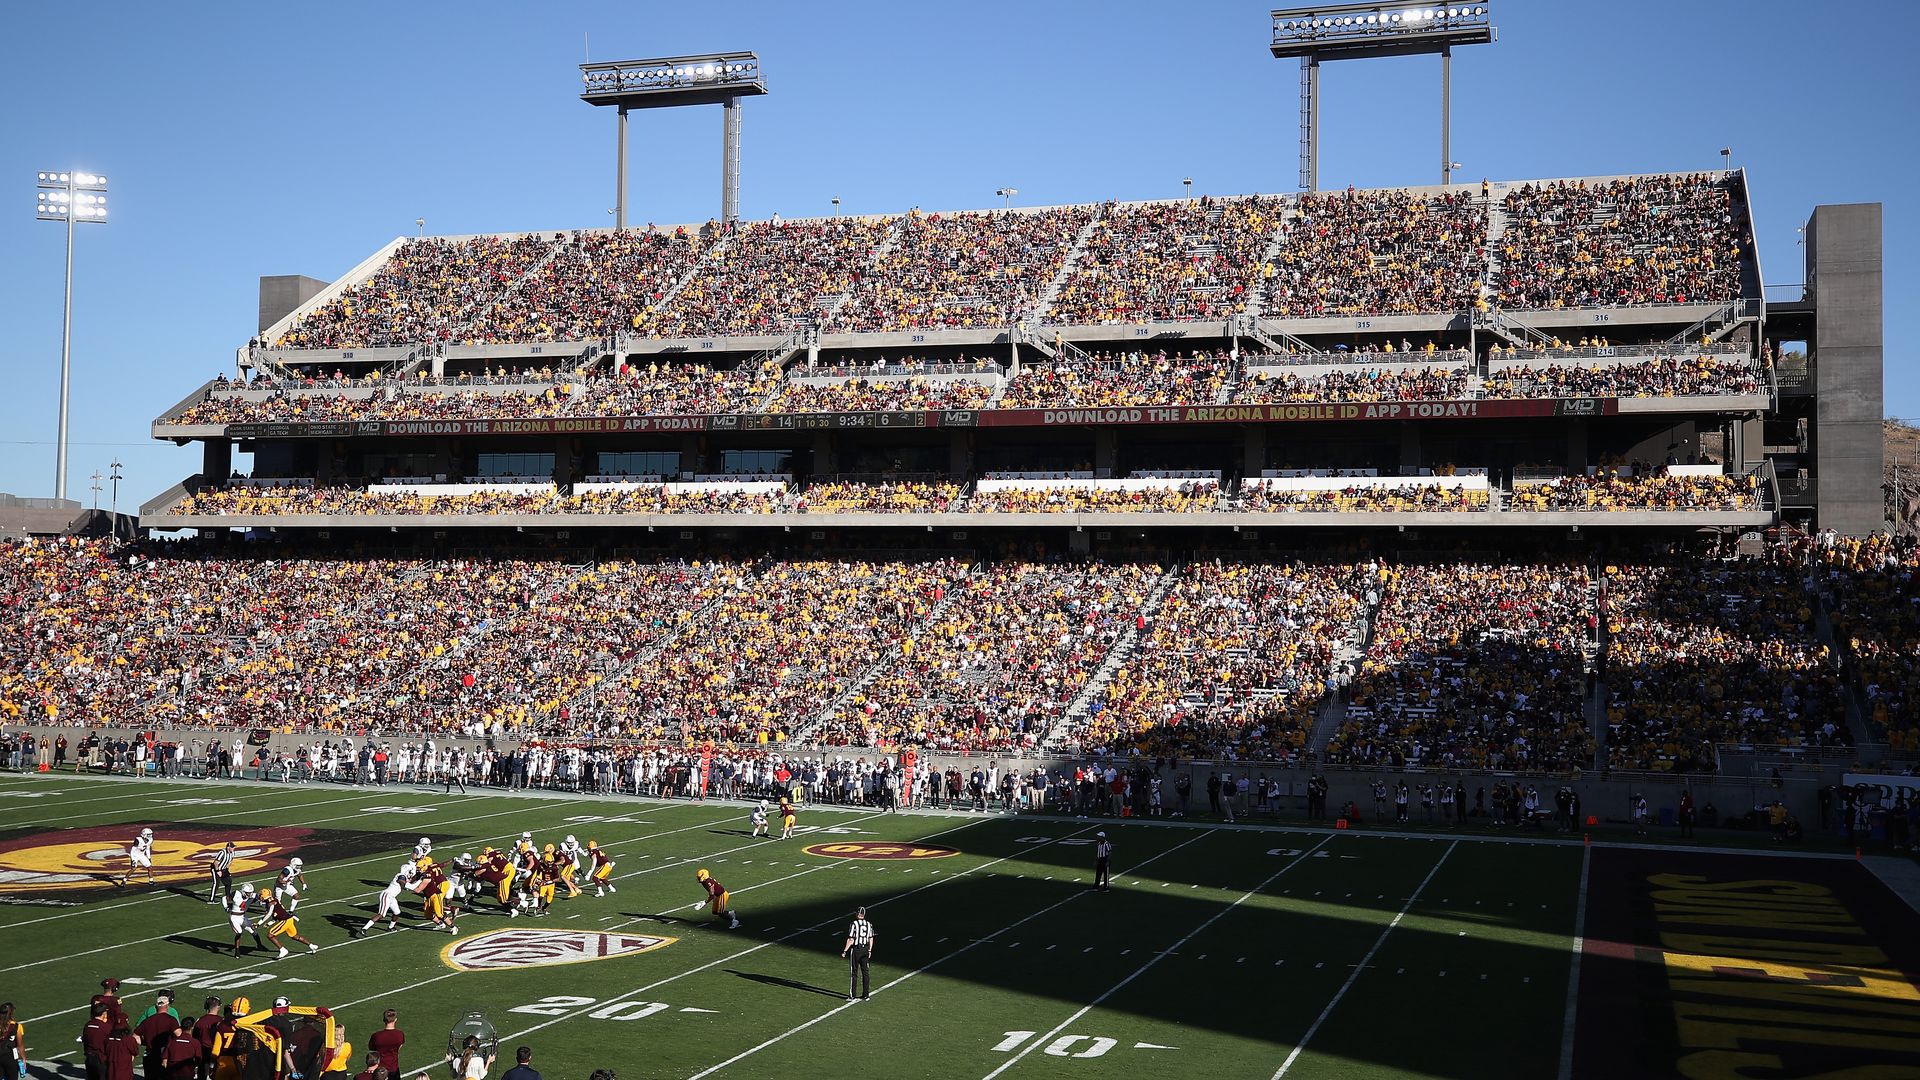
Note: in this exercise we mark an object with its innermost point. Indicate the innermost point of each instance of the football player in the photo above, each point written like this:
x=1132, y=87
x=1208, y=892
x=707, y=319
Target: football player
x=786, y=819
x=237, y=906
x=422, y=854
x=291, y=883
x=759, y=819
x=139, y=857
x=602, y=874
x=494, y=869
x=434, y=889
x=387, y=904
x=570, y=858
x=717, y=898
x=546, y=878
x=280, y=922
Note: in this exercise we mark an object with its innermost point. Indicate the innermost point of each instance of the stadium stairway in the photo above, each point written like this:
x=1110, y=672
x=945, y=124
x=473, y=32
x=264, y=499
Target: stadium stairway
x=698, y=268
x=886, y=662
x=1856, y=693
x=1067, y=265
x=1333, y=712
x=587, y=697
x=1057, y=735
x=1257, y=298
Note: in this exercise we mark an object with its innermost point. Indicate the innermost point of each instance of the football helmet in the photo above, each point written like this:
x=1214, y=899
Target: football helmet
x=548, y=850
x=571, y=842
x=241, y=1006
x=247, y=889
x=526, y=836
x=294, y=864
x=593, y=845
x=701, y=874
x=146, y=833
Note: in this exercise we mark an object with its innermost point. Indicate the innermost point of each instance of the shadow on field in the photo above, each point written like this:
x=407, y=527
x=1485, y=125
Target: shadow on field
x=201, y=943
x=790, y=984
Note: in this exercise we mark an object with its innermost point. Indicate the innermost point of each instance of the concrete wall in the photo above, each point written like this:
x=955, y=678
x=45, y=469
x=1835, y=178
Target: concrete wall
x=282, y=294
x=1844, y=268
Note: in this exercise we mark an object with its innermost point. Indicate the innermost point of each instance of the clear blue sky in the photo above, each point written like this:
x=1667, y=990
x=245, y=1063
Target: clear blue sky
x=251, y=139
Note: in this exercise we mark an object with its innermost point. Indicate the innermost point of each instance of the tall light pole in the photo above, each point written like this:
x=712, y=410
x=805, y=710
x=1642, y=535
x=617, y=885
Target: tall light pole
x=1006, y=196
x=68, y=197
x=670, y=81
x=114, y=507
x=836, y=206
x=1187, y=182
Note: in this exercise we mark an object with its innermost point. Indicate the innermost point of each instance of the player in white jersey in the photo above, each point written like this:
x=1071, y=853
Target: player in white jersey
x=387, y=904
x=238, y=904
x=759, y=819
x=139, y=857
x=291, y=883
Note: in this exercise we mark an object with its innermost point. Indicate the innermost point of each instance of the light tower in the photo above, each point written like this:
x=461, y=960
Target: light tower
x=671, y=81
x=1362, y=31
x=68, y=197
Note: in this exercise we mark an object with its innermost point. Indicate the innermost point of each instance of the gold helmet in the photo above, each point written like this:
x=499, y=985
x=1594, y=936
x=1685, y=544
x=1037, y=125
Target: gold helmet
x=241, y=1006
x=702, y=874
x=548, y=849
x=593, y=845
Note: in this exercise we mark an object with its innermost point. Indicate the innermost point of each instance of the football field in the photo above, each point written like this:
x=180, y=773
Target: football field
x=1220, y=951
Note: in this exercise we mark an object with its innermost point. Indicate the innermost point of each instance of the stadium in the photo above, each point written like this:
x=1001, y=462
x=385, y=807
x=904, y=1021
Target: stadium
x=1482, y=596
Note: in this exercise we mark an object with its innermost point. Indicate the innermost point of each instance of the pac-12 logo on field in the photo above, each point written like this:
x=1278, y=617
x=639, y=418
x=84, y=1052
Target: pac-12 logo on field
x=539, y=948
x=74, y=860
x=867, y=849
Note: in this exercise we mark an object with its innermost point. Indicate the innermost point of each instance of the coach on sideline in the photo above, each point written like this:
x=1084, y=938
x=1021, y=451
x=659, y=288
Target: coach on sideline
x=860, y=948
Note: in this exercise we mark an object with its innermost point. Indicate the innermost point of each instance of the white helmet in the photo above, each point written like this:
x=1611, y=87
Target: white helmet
x=763, y=804
x=424, y=842
x=294, y=864
x=406, y=869
x=146, y=832
x=526, y=836
x=571, y=842
x=247, y=889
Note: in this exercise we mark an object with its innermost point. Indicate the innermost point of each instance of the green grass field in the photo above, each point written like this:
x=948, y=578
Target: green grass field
x=1219, y=952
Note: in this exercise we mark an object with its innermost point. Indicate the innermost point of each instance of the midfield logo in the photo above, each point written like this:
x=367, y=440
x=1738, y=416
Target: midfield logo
x=540, y=948
x=864, y=849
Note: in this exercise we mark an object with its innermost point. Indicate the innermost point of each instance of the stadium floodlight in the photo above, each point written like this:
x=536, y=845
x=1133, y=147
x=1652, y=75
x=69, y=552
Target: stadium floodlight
x=836, y=206
x=69, y=197
x=1362, y=31
x=1006, y=196
x=1187, y=183
x=669, y=82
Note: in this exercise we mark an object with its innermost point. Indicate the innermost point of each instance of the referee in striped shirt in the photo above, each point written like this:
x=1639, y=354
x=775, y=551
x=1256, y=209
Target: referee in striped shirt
x=221, y=868
x=859, y=952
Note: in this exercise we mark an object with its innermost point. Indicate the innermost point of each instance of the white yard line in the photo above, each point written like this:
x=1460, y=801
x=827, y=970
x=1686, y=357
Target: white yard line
x=1573, y=971
x=125, y=795
x=633, y=994
x=1158, y=956
x=1362, y=966
x=842, y=1007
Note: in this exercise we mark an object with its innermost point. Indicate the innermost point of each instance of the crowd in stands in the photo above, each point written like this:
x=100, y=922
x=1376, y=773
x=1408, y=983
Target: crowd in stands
x=1466, y=663
x=1277, y=386
x=1013, y=645
x=955, y=271
x=596, y=285
x=425, y=293
x=350, y=501
x=1472, y=665
x=1118, y=380
x=882, y=497
x=1870, y=584
x=1234, y=665
x=1168, y=262
x=877, y=395
x=1186, y=497
x=677, y=389
x=1699, y=654
x=670, y=499
x=1641, y=240
x=1379, y=252
x=772, y=277
x=1612, y=490
x=1258, y=498
x=1674, y=376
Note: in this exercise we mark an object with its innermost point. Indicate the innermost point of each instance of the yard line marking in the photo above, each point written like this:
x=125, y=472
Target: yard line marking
x=882, y=989
x=1573, y=969
x=160, y=796
x=1143, y=968
x=632, y=994
x=1364, y=961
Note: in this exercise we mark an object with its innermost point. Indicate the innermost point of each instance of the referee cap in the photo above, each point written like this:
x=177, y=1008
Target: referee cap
x=1102, y=834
